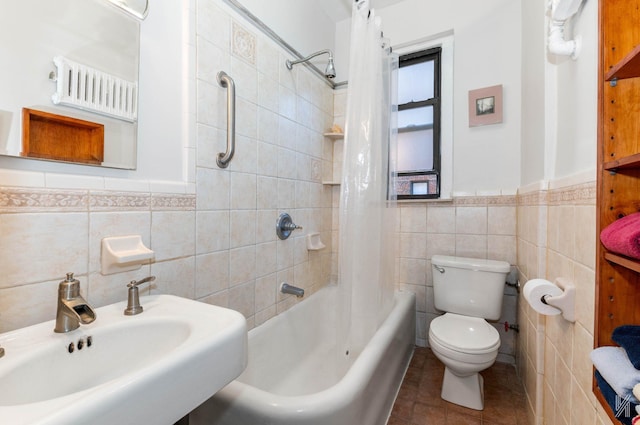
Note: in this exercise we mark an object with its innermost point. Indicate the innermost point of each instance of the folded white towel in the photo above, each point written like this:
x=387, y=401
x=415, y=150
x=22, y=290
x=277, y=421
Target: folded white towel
x=615, y=367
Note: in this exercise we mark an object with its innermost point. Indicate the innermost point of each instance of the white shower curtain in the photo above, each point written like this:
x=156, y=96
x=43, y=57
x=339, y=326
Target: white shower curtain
x=367, y=213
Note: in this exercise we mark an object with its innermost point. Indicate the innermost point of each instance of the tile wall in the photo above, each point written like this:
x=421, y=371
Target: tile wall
x=219, y=245
x=280, y=155
x=470, y=226
x=481, y=226
x=556, y=238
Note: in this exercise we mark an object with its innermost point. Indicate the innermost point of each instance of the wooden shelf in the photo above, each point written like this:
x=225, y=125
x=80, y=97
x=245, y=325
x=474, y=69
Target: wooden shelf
x=334, y=136
x=626, y=262
x=631, y=161
x=628, y=67
x=331, y=183
x=51, y=136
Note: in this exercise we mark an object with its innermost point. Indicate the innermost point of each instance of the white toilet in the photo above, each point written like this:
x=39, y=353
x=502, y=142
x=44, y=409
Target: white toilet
x=469, y=290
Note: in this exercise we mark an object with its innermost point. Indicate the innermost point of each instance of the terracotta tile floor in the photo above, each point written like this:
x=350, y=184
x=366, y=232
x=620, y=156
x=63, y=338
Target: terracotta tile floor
x=419, y=399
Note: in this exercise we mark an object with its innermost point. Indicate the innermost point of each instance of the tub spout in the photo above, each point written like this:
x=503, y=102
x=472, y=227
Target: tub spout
x=73, y=310
x=285, y=288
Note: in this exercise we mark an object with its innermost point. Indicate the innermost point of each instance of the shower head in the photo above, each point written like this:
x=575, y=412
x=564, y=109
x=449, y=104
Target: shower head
x=330, y=70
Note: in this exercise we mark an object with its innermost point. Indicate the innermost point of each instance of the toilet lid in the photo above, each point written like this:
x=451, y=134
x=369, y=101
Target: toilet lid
x=464, y=333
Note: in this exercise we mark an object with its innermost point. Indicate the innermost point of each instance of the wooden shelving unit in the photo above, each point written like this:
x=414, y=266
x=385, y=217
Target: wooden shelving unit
x=617, y=277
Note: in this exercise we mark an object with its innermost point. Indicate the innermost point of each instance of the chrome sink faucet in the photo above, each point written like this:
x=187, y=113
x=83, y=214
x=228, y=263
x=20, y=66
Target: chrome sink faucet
x=73, y=310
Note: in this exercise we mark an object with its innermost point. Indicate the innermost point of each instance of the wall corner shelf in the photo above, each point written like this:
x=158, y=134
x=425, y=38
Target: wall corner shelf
x=334, y=136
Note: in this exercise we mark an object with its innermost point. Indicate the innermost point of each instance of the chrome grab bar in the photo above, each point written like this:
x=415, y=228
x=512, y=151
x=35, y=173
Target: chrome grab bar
x=224, y=80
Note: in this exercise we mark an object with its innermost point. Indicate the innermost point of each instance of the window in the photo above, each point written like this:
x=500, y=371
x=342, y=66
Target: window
x=419, y=104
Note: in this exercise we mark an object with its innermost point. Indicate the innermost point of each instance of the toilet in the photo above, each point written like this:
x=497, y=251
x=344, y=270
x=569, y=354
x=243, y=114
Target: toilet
x=468, y=290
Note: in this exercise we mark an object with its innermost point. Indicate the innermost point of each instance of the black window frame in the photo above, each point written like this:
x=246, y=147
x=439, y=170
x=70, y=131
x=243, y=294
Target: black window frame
x=431, y=54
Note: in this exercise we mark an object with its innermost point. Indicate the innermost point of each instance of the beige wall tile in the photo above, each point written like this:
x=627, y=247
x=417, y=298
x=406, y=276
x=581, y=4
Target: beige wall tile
x=567, y=228
x=175, y=277
x=212, y=231
x=585, y=235
x=266, y=259
x=413, y=245
x=242, y=228
x=241, y=298
x=212, y=273
x=50, y=245
x=441, y=244
x=242, y=265
x=502, y=248
x=474, y=246
x=172, y=234
x=413, y=219
x=39, y=300
x=471, y=220
x=501, y=220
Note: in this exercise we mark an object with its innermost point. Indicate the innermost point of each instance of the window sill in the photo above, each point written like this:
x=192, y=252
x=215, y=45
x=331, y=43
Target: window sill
x=425, y=201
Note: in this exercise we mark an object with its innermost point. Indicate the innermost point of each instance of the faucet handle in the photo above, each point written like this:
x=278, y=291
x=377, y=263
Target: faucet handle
x=135, y=283
x=133, y=296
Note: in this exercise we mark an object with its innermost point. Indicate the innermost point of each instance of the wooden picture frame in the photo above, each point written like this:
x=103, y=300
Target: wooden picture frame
x=485, y=106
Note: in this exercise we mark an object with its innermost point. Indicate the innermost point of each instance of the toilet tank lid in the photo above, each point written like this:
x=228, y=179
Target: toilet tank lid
x=471, y=263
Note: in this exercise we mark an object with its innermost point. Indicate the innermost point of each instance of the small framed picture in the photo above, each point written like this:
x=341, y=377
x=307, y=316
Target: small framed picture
x=485, y=106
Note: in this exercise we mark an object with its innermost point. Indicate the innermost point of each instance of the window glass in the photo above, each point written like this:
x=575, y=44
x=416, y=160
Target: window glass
x=415, y=82
x=415, y=151
x=417, y=117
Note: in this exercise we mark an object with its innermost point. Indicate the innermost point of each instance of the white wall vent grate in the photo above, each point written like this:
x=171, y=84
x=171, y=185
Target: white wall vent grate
x=83, y=87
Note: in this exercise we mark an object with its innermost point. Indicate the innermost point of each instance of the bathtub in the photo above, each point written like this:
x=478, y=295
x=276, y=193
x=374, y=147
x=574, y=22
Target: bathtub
x=295, y=374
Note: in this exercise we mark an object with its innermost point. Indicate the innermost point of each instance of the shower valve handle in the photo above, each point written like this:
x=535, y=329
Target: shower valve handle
x=285, y=225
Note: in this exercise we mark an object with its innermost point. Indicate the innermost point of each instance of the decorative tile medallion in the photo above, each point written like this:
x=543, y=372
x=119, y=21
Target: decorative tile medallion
x=243, y=44
x=316, y=170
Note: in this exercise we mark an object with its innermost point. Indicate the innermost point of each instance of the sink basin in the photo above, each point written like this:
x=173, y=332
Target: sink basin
x=154, y=367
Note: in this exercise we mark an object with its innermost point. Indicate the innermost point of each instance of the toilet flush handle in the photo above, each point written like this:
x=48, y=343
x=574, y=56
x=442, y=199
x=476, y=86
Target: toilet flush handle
x=440, y=269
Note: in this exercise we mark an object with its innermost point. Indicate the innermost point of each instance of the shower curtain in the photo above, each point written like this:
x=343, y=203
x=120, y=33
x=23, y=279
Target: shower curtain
x=367, y=244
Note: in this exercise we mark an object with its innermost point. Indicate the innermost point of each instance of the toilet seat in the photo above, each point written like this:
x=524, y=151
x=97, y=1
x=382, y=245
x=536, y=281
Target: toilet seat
x=464, y=334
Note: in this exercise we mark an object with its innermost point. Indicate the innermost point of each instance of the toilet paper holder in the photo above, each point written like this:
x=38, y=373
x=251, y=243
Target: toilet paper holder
x=564, y=302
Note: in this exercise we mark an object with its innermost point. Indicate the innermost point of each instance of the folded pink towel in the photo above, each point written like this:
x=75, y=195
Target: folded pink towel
x=623, y=236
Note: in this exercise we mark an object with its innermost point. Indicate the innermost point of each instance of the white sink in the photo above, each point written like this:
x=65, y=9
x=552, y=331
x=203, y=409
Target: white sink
x=152, y=368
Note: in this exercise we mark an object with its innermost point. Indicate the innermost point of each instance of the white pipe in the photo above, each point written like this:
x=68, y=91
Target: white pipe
x=558, y=45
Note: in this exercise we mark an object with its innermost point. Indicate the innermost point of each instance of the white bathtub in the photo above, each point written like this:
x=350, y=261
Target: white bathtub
x=296, y=375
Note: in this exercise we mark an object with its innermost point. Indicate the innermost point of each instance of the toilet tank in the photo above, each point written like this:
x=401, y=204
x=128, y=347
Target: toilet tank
x=469, y=286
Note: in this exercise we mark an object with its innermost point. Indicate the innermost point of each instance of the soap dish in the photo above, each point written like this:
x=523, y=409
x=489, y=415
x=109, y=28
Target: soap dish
x=314, y=243
x=123, y=253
